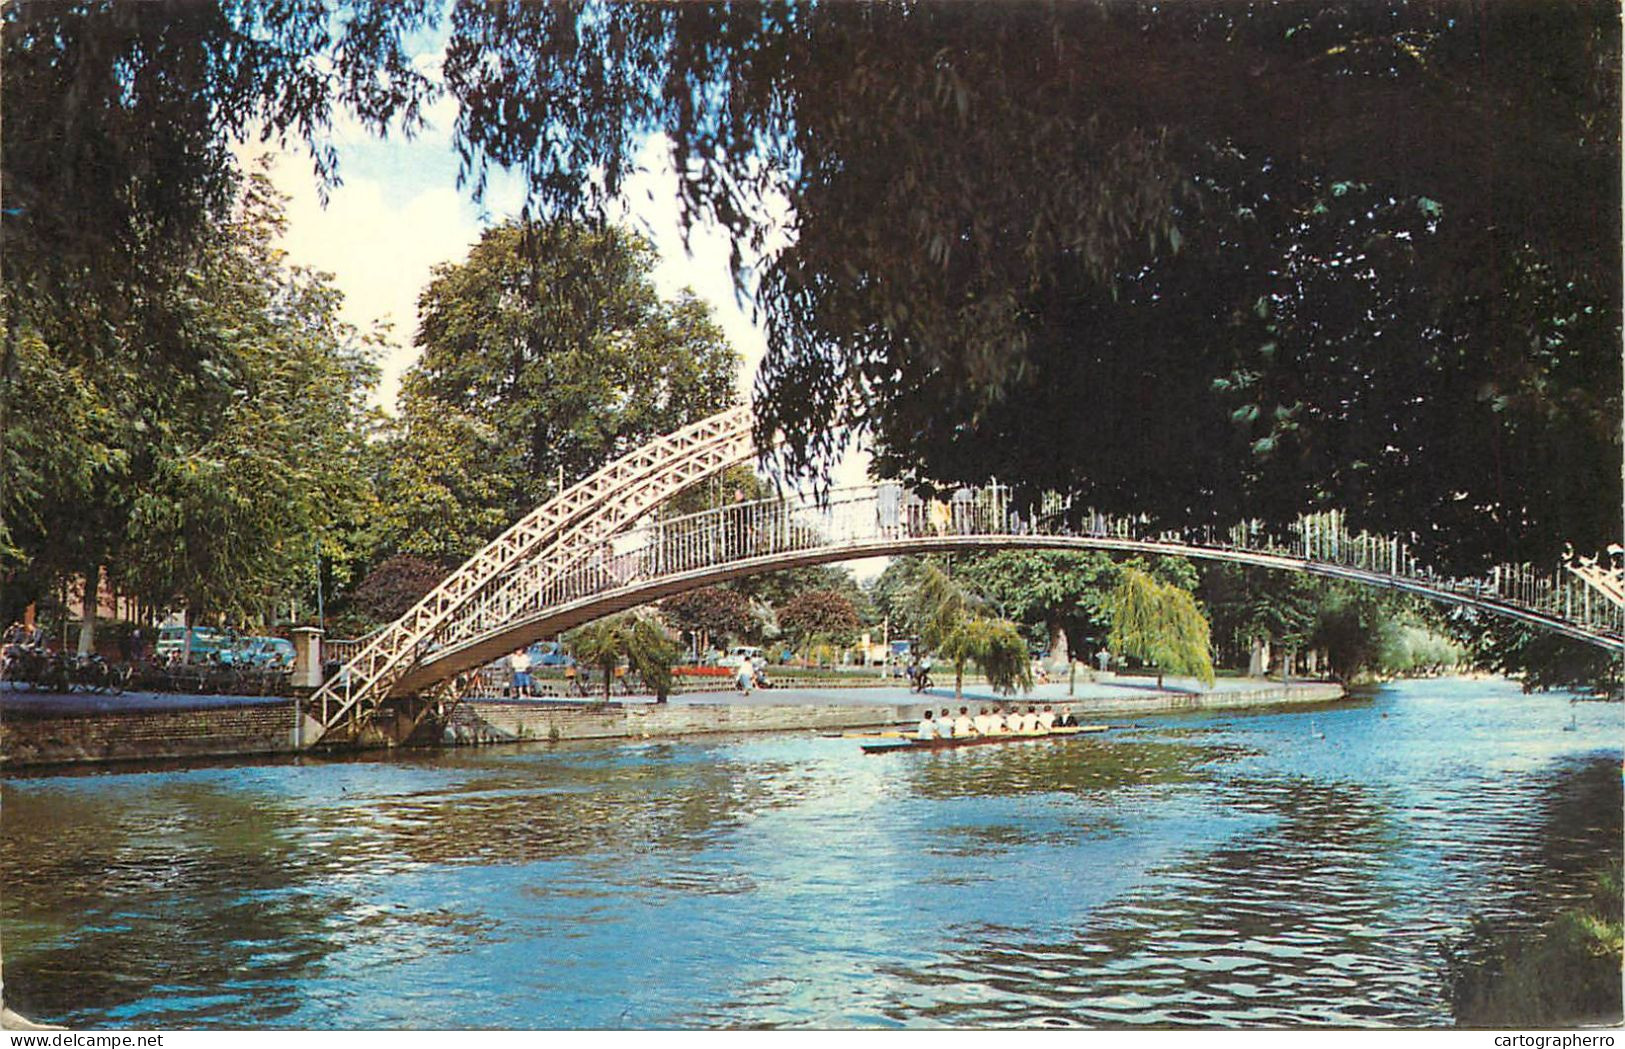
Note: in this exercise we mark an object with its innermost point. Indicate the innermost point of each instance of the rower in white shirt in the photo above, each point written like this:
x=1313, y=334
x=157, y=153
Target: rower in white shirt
x=964, y=727
x=1046, y=719
x=983, y=722
x=1029, y=722
x=928, y=727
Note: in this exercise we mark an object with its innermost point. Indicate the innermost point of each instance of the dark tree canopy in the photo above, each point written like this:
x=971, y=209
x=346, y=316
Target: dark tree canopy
x=825, y=615
x=1205, y=261
x=395, y=585
x=1201, y=261
x=713, y=610
x=120, y=117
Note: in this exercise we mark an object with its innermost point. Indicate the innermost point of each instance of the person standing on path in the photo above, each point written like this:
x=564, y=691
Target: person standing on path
x=519, y=664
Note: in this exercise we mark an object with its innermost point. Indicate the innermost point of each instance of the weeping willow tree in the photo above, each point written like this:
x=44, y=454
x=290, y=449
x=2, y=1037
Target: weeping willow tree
x=1160, y=624
x=652, y=651
x=940, y=605
x=950, y=627
x=996, y=646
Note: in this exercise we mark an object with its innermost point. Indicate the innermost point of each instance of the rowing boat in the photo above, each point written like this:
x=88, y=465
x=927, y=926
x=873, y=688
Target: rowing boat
x=887, y=746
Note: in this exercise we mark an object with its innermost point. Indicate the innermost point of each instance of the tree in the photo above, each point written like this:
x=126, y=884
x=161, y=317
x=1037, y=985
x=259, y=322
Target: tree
x=554, y=338
x=445, y=491
x=1251, y=607
x=602, y=644
x=951, y=626
x=640, y=640
x=1060, y=592
x=709, y=612
x=819, y=615
x=1253, y=210
x=394, y=586
x=1161, y=625
x=994, y=645
x=241, y=487
x=117, y=177
x=652, y=652
x=939, y=603
x=780, y=588
x=206, y=480
x=891, y=593
x=1538, y=658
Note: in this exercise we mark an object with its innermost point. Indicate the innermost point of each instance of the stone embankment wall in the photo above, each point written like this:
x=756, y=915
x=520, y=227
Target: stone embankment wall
x=43, y=739
x=28, y=739
x=497, y=721
x=494, y=721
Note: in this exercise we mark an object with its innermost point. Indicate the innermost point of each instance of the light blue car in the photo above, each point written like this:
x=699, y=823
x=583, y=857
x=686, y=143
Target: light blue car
x=271, y=653
x=550, y=654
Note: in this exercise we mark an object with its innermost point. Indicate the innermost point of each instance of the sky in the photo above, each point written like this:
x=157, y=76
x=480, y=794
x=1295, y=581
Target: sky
x=398, y=213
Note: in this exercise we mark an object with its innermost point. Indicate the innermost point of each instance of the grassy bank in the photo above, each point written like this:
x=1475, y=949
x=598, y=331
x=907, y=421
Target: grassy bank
x=1565, y=974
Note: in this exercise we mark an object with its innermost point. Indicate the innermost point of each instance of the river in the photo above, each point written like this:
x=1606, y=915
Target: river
x=1270, y=868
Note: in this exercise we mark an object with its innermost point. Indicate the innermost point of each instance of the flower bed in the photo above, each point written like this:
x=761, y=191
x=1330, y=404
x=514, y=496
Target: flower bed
x=703, y=671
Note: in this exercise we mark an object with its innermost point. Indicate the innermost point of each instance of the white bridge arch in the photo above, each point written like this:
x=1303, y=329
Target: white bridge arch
x=667, y=557
x=585, y=554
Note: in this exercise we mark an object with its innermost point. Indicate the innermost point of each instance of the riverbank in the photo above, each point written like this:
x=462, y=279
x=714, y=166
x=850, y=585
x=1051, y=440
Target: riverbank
x=44, y=729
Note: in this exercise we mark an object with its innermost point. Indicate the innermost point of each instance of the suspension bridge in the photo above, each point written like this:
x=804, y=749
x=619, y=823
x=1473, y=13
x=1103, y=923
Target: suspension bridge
x=596, y=548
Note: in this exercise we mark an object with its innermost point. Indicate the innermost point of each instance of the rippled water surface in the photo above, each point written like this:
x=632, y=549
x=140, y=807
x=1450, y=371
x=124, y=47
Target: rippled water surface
x=1275, y=868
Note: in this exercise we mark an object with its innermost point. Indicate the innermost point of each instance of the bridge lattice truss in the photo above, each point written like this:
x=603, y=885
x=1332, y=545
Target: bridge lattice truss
x=491, y=587
x=588, y=556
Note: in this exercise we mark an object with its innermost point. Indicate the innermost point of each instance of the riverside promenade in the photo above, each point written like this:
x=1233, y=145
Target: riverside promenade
x=54, y=729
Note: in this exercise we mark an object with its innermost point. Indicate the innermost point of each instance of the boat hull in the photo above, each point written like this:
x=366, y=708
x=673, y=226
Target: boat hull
x=952, y=743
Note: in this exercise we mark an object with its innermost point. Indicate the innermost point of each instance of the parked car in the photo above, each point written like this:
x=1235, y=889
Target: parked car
x=207, y=642
x=550, y=654
x=268, y=652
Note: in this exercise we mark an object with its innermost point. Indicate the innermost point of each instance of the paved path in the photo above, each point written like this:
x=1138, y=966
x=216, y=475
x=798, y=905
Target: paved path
x=23, y=701
x=1054, y=694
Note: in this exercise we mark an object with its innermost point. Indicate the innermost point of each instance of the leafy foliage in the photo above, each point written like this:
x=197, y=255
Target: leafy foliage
x=994, y=645
x=119, y=120
x=601, y=644
x=1247, y=604
x=951, y=626
x=652, y=653
x=713, y=610
x=939, y=604
x=546, y=354
x=640, y=640
x=1358, y=255
x=395, y=585
x=1060, y=591
x=1160, y=624
x=822, y=615
x=206, y=479
x=1539, y=658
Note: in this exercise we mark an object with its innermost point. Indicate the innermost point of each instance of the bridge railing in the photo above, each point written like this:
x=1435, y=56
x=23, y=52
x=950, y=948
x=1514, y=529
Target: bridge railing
x=878, y=514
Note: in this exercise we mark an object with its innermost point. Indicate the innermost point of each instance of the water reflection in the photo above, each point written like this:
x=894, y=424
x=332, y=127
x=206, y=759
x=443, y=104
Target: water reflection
x=1235, y=871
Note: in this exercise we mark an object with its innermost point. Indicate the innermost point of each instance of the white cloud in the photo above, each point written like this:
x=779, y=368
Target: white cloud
x=378, y=244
